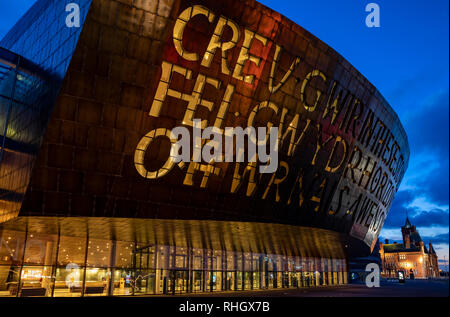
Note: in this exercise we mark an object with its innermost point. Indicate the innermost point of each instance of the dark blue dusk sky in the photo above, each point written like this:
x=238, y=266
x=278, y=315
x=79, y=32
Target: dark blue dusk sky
x=407, y=59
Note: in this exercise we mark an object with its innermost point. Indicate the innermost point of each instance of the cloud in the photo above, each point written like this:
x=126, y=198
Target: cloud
x=428, y=134
x=437, y=240
x=421, y=212
x=424, y=192
x=435, y=235
x=433, y=232
x=441, y=250
x=423, y=204
x=435, y=217
x=391, y=234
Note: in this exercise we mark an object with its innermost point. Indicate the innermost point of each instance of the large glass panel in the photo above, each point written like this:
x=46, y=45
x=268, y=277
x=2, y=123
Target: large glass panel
x=68, y=281
x=96, y=283
x=239, y=280
x=197, y=281
x=11, y=254
x=77, y=267
x=239, y=261
x=71, y=258
x=99, y=253
x=228, y=281
x=146, y=282
x=181, y=281
x=256, y=281
x=35, y=281
x=39, y=259
x=271, y=279
x=296, y=278
x=211, y=280
x=123, y=272
x=122, y=281
x=72, y=250
x=248, y=280
x=10, y=279
x=145, y=273
x=97, y=273
x=40, y=249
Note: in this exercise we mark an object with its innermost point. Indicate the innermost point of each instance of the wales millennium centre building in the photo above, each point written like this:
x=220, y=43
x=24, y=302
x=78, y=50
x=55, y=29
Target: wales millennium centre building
x=91, y=203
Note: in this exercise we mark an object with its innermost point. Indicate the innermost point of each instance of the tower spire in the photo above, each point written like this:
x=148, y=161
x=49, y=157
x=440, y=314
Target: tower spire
x=407, y=223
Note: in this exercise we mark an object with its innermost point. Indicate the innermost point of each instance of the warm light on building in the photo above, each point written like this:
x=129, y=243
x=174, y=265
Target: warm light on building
x=91, y=198
x=411, y=257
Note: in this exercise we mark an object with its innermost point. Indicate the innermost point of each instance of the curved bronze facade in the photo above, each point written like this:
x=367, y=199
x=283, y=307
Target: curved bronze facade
x=85, y=120
x=155, y=65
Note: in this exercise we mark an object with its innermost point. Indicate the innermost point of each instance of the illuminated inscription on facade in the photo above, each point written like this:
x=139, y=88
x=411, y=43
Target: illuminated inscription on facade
x=336, y=156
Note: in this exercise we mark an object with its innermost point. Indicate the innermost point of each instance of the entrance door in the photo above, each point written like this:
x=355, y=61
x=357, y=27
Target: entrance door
x=181, y=281
x=197, y=281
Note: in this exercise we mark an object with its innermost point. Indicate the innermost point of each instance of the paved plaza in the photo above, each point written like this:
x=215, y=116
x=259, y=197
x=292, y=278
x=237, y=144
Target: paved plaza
x=411, y=288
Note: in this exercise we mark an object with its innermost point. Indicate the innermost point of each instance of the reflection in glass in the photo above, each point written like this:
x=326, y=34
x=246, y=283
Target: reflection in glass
x=41, y=264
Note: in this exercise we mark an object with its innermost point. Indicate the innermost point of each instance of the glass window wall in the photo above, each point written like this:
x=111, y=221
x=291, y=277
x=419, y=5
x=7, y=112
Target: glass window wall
x=35, y=264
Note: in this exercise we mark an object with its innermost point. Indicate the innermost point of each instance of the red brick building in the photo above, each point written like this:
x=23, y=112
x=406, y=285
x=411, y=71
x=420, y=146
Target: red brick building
x=412, y=256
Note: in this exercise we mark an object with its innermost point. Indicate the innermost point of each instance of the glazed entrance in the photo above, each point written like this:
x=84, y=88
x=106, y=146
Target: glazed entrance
x=72, y=257
x=175, y=270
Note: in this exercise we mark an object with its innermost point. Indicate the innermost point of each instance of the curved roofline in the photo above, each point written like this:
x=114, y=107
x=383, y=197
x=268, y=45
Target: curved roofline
x=28, y=18
x=377, y=92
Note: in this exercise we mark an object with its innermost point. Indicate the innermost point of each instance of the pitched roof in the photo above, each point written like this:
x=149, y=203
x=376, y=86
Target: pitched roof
x=407, y=223
x=432, y=249
x=415, y=237
x=399, y=247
